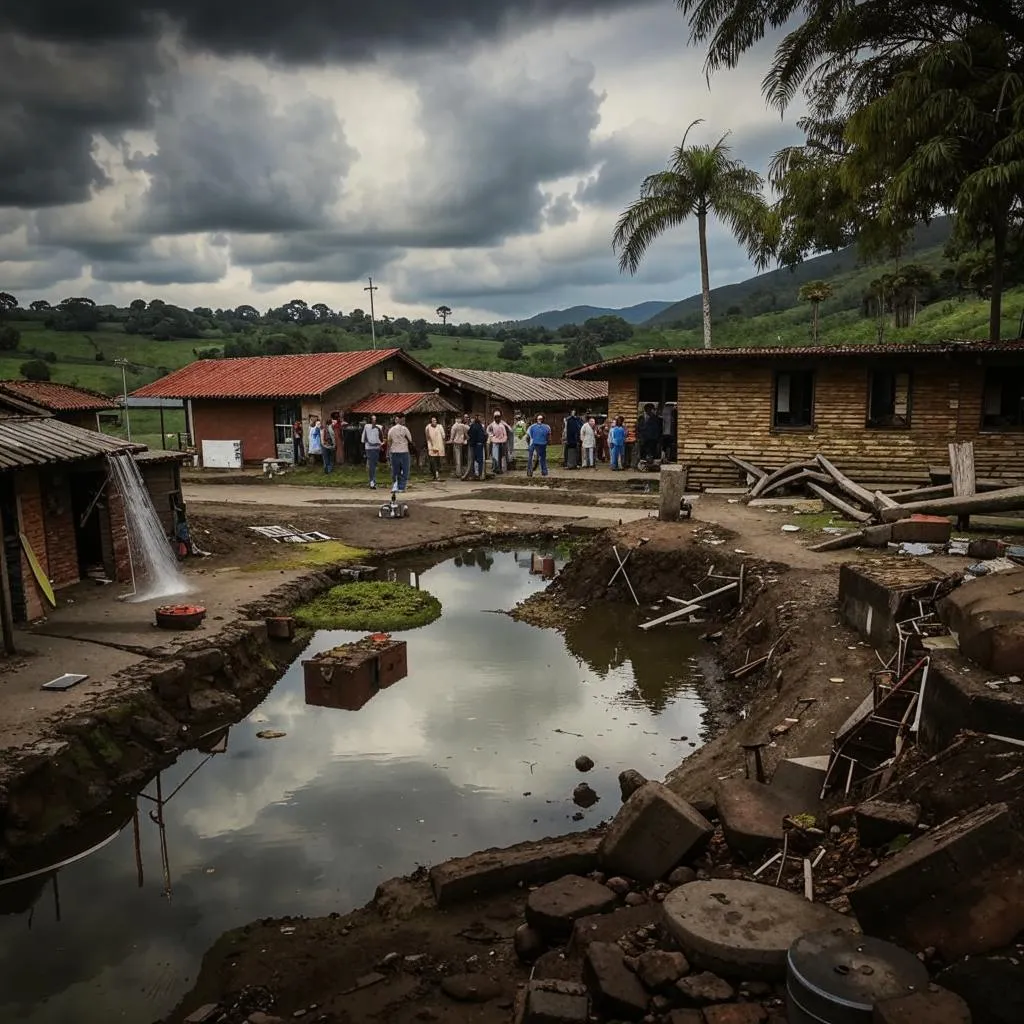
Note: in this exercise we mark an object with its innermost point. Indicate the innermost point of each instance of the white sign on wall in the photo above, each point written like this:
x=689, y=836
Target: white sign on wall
x=222, y=454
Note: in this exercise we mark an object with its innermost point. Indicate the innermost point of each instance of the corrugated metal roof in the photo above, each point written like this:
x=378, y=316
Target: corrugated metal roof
x=48, y=394
x=294, y=376
x=938, y=348
x=519, y=387
x=161, y=455
x=44, y=441
x=392, y=403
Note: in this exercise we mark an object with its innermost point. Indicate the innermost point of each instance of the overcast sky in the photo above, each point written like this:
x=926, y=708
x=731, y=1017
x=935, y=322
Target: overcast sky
x=214, y=152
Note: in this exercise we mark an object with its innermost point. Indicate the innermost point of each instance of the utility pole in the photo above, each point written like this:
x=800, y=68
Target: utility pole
x=123, y=363
x=371, y=288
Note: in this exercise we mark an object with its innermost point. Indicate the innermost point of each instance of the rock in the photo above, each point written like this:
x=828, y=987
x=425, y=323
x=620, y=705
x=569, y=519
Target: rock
x=743, y=929
x=751, y=815
x=876, y=536
x=653, y=831
x=259, y=1017
x=802, y=779
x=213, y=702
x=735, y=1013
x=615, y=988
x=959, y=887
x=682, y=876
x=922, y=530
x=584, y=763
x=686, y=1017
x=880, y=822
x=554, y=907
x=499, y=870
x=993, y=988
x=556, y=1002
x=584, y=796
x=635, y=899
x=659, y=969
x=612, y=927
x=988, y=620
x=629, y=782
x=938, y=1007
x=618, y=885
x=554, y=965
x=203, y=1014
x=204, y=662
x=705, y=988
x=470, y=988
x=528, y=943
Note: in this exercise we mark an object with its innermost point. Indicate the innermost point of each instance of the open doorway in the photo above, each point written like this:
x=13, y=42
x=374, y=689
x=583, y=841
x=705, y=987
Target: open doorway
x=12, y=548
x=88, y=505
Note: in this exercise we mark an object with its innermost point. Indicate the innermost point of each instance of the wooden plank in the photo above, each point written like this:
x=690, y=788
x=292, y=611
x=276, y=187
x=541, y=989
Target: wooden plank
x=921, y=493
x=747, y=467
x=961, y=468
x=845, y=540
x=795, y=478
x=864, y=496
x=883, y=501
x=837, y=503
x=1006, y=500
x=694, y=605
x=785, y=471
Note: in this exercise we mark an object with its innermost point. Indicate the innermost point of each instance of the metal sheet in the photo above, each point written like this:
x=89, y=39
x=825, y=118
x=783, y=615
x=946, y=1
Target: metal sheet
x=64, y=682
x=42, y=441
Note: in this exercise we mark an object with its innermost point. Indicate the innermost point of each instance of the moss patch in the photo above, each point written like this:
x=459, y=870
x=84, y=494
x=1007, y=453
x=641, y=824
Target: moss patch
x=309, y=556
x=378, y=606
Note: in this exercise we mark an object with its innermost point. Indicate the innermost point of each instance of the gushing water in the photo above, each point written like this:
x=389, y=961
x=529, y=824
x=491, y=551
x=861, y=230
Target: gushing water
x=154, y=566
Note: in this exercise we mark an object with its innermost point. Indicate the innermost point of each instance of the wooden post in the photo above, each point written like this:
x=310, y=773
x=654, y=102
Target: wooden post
x=962, y=475
x=6, y=614
x=672, y=486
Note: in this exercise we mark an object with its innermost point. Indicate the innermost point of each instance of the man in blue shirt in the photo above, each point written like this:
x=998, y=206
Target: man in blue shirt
x=538, y=436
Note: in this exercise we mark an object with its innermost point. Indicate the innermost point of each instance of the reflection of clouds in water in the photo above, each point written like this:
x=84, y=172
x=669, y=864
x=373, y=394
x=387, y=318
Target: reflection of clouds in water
x=435, y=766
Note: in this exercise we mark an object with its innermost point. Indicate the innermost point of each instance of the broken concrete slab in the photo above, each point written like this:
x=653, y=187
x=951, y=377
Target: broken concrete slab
x=653, y=831
x=958, y=888
x=992, y=988
x=936, y=1007
x=802, y=778
x=556, y=1002
x=751, y=814
x=987, y=616
x=660, y=969
x=687, y=1016
x=922, y=530
x=612, y=927
x=554, y=965
x=735, y=1013
x=879, y=822
x=553, y=908
x=499, y=869
x=876, y=536
x=616, y=989
x=742, y=929
x=705, y=988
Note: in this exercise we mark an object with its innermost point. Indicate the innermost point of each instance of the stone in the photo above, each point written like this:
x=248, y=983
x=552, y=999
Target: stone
x=612, y=927
x=502, y=869
x=554, y=965
x=922, y=530
x=992, y=988
x=688, y=1016
x=938, y=1007
x=167, y=680
x=705, y=988
x=985, y=548
x=635, y=899
x=204, y=662
x=618, y=885
x=958, y=888
x=682, y=876
x=584, y=795
x=735, y=1013
x=743, y=929
x=584, y=763
x=988, y=620
x=213, y=703
x=659, y=969
x=556, y=1002
x=629, y=782
x=802, y=778
x=653, y=831
x=259, y=1017
x=876, y=536
x=203, y=1014
x=554, y=907
x=751, y=814
x=470, y=988
x=880, y=822
x=281, y=627
x=616, y=989
x=528, y=943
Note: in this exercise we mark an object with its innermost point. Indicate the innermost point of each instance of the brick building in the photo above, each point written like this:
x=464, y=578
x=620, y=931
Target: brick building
x=255, y=400
x=77, y=406
x=883, y=413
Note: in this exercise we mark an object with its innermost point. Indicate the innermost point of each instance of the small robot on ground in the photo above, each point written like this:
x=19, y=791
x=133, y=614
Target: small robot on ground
x=393, y=509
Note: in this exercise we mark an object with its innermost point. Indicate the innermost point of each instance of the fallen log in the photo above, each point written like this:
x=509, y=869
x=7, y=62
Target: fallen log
x=883, y=500
x=779, y=474
x=842, y=506
x=1006, y=500
x=695, y=604
x=862, y=494
x=844, y=540
x=747, y=467
x=946, y=490
x=795, y=478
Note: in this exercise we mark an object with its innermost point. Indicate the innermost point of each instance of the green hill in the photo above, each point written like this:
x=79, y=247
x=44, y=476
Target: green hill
x=555, y=318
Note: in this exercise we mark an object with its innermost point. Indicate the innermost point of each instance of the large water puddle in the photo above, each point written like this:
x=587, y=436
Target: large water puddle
x=473, y=748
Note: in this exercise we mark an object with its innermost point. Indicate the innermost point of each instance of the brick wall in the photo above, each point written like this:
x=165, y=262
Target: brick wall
x=59, y=527
x=31, y=523
x=120, y=552
x=161, y=479
x=372, y=380
x=250, y=422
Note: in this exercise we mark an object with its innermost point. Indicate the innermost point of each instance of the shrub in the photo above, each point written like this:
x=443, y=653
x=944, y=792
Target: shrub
x=10, y=338
x=34, y=369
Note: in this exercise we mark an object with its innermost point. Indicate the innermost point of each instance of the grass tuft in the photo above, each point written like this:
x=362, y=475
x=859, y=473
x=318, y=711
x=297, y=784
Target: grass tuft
x=379, y=606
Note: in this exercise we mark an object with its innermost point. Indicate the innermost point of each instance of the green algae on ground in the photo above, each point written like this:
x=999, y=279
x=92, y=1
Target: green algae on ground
x=377, y=606
x=315, y=555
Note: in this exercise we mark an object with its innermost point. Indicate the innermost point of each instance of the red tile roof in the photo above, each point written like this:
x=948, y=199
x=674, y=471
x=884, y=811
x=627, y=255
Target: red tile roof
x=392, y=403
x=48, y=394
x=294, y=376
x=938, y=348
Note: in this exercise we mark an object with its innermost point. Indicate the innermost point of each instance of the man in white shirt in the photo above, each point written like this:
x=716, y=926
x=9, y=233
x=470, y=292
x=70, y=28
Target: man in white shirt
x=399, y=449
x=459, y=437
x=497, y=437
x=588, y=441
x=372, y=438
x=435, y=446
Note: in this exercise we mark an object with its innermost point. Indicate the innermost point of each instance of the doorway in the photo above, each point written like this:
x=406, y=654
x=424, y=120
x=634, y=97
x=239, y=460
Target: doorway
x=88, y=505
x=12, y=548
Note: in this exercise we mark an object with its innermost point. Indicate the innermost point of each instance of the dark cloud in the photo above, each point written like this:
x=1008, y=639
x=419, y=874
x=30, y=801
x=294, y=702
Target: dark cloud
x=308, y=256
x=292, y=30
x=148, y=264
x=561, y=210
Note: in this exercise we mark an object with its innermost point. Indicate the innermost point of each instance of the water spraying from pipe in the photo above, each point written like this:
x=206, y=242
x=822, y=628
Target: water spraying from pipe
x=155, y=570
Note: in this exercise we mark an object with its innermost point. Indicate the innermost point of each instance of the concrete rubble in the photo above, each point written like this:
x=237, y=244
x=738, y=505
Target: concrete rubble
x=879, y=822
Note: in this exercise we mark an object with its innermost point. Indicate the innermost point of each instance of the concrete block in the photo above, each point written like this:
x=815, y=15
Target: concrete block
x=959, y=888
x=751, y=814
x=612, y=927
x=922, y=530
x=802, y=778
x=281, y=627
x=616, y=989
x=705, y=988
x=879, y=822
x=987, y=615
x=660, y=969
x=938, y=1007
x=556, y=1002
x=877, y=536
x=495, y=870
x=653, y=831
x=992, y=988
x=554, y=907
x=875, y=594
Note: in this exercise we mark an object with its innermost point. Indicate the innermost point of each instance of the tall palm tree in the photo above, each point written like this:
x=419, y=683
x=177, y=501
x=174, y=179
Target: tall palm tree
x=815, y=292
x=700, y=180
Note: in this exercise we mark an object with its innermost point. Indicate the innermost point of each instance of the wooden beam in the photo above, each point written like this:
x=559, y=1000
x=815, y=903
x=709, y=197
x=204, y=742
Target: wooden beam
x=1005, y=500
x=747, y=467
x=862, y=494
x=688, y=609
x=785, y=471
x=795, y=478
x=837, y=503
x=844, y=540
x=883, y=501
x=921, y=493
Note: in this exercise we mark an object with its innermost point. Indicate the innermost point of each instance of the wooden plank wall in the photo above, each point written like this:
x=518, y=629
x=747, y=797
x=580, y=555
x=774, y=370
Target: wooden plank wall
x=726, y=408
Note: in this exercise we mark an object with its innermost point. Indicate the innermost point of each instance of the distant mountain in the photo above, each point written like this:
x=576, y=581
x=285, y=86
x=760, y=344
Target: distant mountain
x=555, y=318
x=782, y=286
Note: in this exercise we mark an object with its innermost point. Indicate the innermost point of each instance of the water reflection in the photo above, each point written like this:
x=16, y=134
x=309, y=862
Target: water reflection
x=473, y=748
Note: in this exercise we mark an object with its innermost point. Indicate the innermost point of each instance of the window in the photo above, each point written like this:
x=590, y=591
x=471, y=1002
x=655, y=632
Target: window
x=888, y=399
x=794, y=399
x=285, y=416
x=1003, y=399
x=657, y=390
x=389, y=374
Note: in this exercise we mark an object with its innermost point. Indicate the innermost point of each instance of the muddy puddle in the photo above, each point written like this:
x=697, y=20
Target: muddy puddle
x=473, y=748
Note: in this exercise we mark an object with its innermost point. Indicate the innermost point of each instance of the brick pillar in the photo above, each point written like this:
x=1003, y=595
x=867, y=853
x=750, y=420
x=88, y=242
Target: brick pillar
x=118, y=535
x=59, y=526
x=31, y=524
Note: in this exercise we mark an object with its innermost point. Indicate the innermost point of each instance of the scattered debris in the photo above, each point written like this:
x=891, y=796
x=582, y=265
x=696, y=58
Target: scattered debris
x=64, y=682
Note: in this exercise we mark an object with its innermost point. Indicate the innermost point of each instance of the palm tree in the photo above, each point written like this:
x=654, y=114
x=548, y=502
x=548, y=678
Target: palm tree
x=700, y=180
x=815, y=292
x=444, y=312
